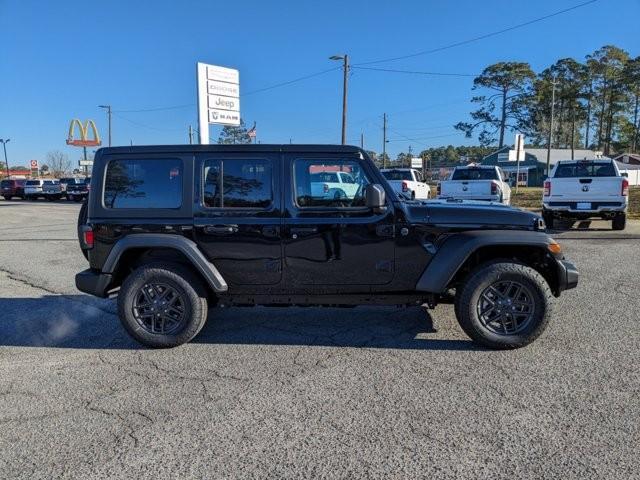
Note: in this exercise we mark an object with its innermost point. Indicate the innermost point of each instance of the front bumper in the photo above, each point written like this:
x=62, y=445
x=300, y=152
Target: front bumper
x=93, y=282
x=567, y=276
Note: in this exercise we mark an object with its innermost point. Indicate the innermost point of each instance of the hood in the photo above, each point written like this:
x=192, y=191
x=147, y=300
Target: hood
x=466, y=213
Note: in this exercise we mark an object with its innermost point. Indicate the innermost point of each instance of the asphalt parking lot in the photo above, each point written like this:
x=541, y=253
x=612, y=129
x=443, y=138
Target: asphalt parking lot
x=290, y=393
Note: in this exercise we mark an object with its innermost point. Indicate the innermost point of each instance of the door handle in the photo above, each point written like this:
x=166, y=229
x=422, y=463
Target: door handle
x=220, y=229
x=295, y=231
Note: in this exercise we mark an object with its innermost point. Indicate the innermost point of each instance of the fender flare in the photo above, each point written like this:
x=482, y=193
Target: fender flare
x=187, y=247
x=456, y=249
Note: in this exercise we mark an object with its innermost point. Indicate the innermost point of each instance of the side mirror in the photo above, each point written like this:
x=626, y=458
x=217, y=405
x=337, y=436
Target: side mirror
x=375, y=197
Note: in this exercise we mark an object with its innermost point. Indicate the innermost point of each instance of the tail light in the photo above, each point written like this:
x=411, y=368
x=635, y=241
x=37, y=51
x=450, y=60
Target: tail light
x=87, y=237
x=625, y=187
x=494, y=188
x=325, y=188
x=438, y=189
x=405, y=186
x=547, y=189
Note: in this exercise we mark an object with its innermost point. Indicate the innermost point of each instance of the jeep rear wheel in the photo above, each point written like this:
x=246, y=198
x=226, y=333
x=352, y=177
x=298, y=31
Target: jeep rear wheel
x=162, y=305
x=504, y=305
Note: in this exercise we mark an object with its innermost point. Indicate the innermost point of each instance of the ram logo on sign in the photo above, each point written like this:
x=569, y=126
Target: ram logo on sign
x=218, y=97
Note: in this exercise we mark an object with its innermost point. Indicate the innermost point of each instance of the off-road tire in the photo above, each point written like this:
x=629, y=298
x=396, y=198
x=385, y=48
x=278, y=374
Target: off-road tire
x=619, y=222
x=467, y=297
x=192, y=293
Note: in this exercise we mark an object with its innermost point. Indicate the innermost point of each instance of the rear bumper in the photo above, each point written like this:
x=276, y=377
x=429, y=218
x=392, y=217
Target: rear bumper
x=567, y=276
x=93, y=282
x=569, y=209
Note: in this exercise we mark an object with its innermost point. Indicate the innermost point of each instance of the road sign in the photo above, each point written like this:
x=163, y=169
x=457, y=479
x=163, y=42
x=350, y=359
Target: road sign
x=34, y=164
x=416, y=162
x=85, y=163
x=218, y=97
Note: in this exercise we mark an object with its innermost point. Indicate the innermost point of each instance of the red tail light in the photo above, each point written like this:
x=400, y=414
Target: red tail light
x=438, y=189
x=325, y=187
x=494, y=188
x=87, y=237
x=405, y=187
x=625, y=187
x=547, y=188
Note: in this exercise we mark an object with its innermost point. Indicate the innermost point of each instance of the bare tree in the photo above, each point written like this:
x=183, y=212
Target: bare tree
x=58, y=163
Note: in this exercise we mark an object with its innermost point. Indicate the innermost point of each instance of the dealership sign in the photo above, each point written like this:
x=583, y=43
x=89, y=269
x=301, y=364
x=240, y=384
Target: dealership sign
x=218, y=97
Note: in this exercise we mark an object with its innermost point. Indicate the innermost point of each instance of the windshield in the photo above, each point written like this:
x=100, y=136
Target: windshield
x=50, y=182
x=585, y=169
x=6, y=183
x=33, y=182
x=67, y=180
x=397, y=175
x=475, y=174
x=327, y=177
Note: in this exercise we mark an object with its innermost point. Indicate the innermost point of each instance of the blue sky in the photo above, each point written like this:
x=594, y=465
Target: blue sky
x=60, y=59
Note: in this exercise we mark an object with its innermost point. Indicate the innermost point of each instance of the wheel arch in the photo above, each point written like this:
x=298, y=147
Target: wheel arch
x=137, y=249
x=460, y=253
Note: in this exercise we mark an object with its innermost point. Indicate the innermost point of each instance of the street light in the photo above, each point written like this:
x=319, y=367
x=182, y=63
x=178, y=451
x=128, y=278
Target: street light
x=108, y=108
x=345, y=68
x=4, y=146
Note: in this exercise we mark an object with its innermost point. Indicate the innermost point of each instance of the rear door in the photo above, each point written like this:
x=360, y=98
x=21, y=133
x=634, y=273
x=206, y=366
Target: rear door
x=334, y=241
x=585, y=182
x=237, y=216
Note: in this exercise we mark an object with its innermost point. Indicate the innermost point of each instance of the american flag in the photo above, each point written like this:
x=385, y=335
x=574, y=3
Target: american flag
x=252, y=131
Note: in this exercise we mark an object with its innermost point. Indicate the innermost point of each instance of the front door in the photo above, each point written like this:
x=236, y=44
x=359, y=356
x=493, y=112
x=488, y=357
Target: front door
x=330, y=237
x=238, y=215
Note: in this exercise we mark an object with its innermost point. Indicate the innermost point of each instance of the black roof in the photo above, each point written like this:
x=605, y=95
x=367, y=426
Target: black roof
x=261, y=147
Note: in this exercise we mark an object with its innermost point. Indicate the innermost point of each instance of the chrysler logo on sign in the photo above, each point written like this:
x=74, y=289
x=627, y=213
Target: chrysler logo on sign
x=585, y=188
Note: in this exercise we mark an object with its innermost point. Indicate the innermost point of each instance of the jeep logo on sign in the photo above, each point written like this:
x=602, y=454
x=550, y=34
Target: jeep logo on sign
x=585, y=188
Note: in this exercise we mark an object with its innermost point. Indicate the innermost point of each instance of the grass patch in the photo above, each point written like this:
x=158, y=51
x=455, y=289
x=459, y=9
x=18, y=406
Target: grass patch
x=530, y=198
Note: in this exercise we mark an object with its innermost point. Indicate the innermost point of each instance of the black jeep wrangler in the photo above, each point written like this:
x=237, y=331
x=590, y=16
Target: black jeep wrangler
x=175, y=230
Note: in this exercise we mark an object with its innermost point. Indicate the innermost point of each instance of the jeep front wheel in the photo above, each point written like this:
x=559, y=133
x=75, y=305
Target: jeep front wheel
x=504, y=305
x=162, y=305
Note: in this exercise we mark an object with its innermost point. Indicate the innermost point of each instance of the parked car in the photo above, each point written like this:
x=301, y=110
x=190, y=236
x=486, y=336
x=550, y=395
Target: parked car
x=52, y=189
x=172, y=230
x=66, y=181
x=577, y=190
x=78, y=190
x=407, y=182
x=477, y=182
x=333, y=185
x=33, y=189
x=12, y=188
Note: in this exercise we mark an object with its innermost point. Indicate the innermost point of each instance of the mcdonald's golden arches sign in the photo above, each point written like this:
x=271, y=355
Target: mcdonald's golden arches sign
x=83, y=140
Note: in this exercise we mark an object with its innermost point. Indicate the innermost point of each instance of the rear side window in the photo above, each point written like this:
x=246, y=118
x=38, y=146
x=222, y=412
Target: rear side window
x=238, y=183
x=397, y=175
x=585, y=169
x=143, y=183
x=475, y=174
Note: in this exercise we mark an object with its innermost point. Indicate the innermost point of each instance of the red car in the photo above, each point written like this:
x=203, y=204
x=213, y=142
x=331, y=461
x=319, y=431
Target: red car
x=12, y=188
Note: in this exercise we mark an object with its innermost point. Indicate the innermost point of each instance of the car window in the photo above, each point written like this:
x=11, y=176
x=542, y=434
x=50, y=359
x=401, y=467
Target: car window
x=6, y=183
x=33, y=182
x=329, y=177
x=585, y=169
x=397, y=175
x=474, y=174
x=238, y=183
x=143, y=183
x=311, y=190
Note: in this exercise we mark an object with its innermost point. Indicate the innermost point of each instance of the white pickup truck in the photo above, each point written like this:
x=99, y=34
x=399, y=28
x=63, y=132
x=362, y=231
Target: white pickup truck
x=407, y=182
x=476, y=182
x=581, y=189
x=333, y=185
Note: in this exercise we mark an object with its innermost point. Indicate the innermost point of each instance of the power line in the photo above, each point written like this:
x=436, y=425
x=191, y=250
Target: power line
x=480, y=37
x=442, y=74
x=143, y=125
x=171, y=107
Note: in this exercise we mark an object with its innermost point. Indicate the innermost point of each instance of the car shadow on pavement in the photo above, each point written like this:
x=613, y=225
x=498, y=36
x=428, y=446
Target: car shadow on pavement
x=82, y=322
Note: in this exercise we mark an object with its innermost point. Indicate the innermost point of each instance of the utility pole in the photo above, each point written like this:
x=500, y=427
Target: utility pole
x=410, y=157
x=384, y=140
x=362, y=141
x=345, y=76
x=550, y=138
x=190, y=135
x=4, y=146
x=108, y=108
